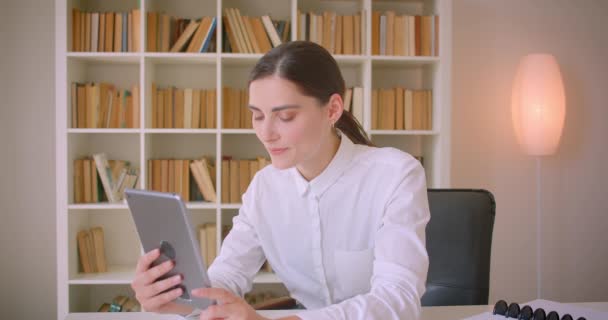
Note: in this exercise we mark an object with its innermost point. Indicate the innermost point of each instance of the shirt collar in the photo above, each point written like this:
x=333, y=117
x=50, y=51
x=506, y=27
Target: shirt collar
x=330, y=174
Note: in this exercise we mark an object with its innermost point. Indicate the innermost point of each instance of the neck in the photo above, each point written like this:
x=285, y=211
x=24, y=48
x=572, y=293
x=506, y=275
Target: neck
x=315, y=165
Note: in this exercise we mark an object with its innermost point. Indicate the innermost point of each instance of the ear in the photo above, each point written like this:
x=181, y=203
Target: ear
x=335, y=107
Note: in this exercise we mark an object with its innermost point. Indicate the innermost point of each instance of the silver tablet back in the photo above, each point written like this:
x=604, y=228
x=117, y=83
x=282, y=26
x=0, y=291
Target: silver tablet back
x=162, y=222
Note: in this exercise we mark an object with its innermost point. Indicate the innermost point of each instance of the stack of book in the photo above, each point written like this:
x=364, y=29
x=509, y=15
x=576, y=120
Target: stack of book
x=98, y=179
x=103, y=105
x=235, y=111
x=91, y=250
x=120, y=303
x=183, y=108
x=106, y=31
x=404, y=35
x=207, y=236
x=193, y=180
x=243, y=34
x=165, y=33
x=402, y=109
x=236, y=176
x=339, y=34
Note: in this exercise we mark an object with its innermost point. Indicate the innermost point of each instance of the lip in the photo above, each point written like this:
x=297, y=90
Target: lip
x=276, y=151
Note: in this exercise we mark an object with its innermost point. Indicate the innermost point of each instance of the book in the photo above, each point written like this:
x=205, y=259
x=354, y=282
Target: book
x=104, y=171
x=207, y=43
x=202, y=176
x=120, y=304
x=83, y=251
x=272, y=32
x=185, y=36
x=91, y=250
x=99, y=249
x=199, y=36
x=548, y=306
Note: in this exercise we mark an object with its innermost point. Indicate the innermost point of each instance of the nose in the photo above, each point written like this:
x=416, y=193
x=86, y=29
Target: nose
x=267, y=131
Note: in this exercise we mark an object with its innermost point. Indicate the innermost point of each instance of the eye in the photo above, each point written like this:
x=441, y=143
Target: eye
x=286, y=117
x=257, y=116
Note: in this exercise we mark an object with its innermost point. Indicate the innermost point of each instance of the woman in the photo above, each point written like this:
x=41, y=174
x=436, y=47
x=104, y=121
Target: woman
x=341, y=222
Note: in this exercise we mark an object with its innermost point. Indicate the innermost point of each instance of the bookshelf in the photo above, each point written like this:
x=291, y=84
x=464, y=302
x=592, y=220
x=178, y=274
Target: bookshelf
x=79, y=292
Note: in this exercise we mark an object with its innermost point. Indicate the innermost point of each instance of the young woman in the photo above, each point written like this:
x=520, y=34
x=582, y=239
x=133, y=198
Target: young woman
x=341, y=222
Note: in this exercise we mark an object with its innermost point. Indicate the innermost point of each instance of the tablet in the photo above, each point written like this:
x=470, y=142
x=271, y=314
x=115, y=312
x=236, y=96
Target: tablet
x=162, y=221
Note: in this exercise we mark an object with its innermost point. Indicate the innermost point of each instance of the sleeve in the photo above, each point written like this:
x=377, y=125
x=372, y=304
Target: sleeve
x=241, y=254
x=400, y=258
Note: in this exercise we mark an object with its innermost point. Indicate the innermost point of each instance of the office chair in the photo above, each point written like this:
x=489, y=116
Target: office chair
x=458, y=241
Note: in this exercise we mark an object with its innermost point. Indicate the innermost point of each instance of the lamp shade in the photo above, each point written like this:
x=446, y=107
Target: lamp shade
x=538, y=104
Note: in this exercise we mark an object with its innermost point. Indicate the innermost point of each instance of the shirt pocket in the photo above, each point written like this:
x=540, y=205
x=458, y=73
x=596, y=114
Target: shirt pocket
x=354, y=270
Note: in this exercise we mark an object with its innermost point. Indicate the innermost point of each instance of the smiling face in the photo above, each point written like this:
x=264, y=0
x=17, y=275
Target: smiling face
x=294, y=128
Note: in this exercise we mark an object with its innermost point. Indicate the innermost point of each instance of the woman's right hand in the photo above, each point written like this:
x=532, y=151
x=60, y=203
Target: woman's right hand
x=148, y=290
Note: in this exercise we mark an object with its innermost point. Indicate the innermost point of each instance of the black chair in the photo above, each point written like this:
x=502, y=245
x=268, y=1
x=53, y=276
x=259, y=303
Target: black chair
x=459, y=241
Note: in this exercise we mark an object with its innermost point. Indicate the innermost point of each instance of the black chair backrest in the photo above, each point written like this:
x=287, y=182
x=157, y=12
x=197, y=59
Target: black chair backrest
x=458, y=241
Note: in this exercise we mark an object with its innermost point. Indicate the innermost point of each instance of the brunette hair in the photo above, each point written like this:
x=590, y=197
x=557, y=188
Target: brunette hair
x=316, y=73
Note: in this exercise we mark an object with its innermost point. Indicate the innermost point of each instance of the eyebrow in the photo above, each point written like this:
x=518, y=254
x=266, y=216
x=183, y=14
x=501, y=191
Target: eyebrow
x=279, y=108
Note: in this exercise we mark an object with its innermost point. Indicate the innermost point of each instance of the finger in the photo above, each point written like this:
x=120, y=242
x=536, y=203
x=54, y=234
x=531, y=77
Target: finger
x=146, y=260
x=218, y=312
x=160, y=286
x=152, y=274
x=156, y=302
x=223, y=296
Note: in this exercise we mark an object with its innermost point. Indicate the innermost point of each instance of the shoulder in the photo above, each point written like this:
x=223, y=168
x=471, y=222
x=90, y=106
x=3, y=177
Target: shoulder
x=268, y=178
x=389, y=159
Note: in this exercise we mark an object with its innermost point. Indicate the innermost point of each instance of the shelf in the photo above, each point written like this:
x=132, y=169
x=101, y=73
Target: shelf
x=230, y=206
x=124, y=206
x=238, y=131
x=181, y=57
x=104, y=130
x=98, y=206
x=405, y=132
x=116, y=57
x=201, y=205
x=125, y=274
x=389, y=61
x=240, y=59
x=115, y=275
x=350, y=59
x=266, y=277
x=181, y=131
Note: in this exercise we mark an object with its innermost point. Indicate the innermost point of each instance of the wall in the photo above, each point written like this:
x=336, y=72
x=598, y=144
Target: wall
x=27, y=144
x=489, y=39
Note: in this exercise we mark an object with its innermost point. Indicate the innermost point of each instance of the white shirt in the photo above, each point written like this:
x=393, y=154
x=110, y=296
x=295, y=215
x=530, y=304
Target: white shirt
x=349, y=244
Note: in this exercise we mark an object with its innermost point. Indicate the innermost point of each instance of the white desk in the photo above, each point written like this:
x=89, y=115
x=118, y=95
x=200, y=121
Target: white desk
x=428, y=313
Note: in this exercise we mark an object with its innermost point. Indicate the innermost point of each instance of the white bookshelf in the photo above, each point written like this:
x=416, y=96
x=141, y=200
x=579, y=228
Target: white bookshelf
x=85, y=292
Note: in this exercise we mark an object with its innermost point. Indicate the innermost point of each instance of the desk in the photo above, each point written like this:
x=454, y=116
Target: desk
x=428, y=313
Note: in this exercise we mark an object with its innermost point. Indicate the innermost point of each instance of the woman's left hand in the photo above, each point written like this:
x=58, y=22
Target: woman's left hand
x=228, y=305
